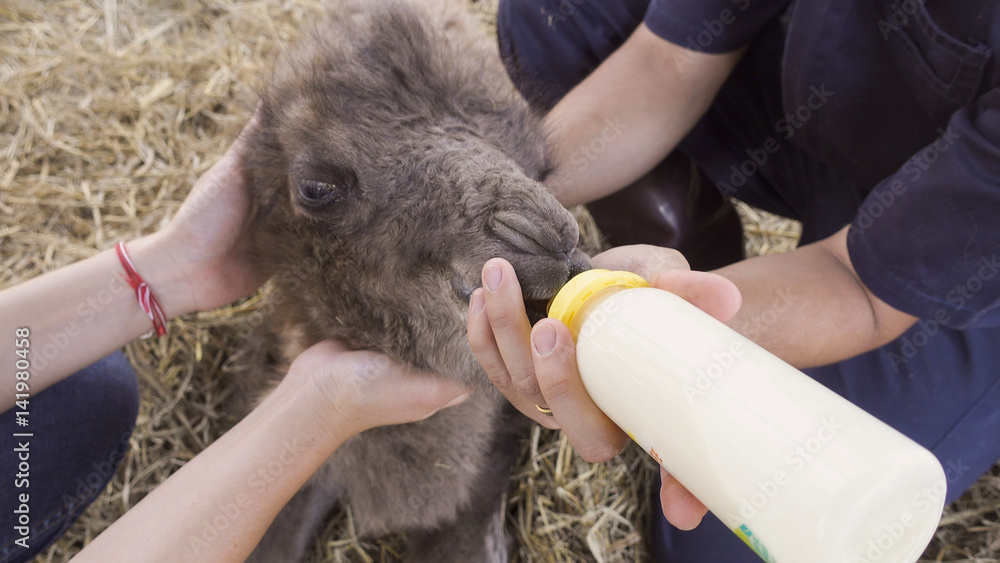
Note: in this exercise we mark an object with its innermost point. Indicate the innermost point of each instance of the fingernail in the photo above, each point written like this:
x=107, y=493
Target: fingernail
x=492, y=276
x=477, y=302
x=459, y=399
x=543, y=339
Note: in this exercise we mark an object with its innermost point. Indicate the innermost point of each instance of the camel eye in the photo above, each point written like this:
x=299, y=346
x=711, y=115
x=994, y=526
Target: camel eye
x=315, y=192
x=321, y=186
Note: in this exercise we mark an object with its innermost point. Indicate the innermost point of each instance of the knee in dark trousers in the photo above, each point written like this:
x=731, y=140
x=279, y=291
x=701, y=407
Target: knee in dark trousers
x=80, y=430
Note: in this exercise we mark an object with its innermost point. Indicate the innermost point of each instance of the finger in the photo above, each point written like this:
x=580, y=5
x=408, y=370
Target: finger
x=231, y=166
x=710, y=292
x=680, y=507
x=643, y=259
x=590, y=431
x=511, y=329
x=484, y=347
x=320, y=355
x=377, y=391
x=667, y=269
x=420, y=395
x=239, y=146
x=229, y=170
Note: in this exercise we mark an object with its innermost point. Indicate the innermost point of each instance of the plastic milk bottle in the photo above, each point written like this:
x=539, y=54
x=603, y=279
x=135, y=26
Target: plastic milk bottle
x=799, y=473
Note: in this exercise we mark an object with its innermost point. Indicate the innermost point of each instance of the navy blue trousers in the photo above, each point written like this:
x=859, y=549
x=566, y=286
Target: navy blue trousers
x=80, y=431
x=937, y=385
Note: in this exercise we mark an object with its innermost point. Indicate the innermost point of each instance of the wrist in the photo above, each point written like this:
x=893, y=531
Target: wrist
x=155, y=261
x=318, y=417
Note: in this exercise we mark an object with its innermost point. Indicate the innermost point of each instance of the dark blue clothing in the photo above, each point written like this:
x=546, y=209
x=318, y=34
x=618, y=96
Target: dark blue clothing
x=907, y=113
x=881, y=115
x=81, y=428
x=713, y=26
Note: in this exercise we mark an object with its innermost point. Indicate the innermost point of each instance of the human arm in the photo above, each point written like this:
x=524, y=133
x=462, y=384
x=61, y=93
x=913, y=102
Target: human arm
x=809, y=307
x=924, y=244
x=218, y=506
x=82, y=312
x=637, y=105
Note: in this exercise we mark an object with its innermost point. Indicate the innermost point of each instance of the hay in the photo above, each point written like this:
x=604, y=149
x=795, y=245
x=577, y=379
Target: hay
x=109, y=110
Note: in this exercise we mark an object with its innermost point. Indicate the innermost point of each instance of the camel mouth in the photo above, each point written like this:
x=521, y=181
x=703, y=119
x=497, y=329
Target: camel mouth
x=536, y=302
x=536, y=309
x=540, y=287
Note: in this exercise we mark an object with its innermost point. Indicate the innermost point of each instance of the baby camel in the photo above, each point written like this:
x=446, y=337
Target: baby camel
x=393, y=159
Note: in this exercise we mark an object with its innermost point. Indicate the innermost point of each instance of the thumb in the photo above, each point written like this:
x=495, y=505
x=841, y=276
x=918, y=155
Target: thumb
x=708, y=291
x=240, y=145
x=426, y=394
x=399, y=395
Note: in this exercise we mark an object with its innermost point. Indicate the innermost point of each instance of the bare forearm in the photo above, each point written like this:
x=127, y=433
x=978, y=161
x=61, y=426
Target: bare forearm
x=629, y=114
x=80, y=313
x=808, y=306
x=218, y=506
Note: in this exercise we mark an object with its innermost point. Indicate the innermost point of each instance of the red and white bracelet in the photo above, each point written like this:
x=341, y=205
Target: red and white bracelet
x=143, y=293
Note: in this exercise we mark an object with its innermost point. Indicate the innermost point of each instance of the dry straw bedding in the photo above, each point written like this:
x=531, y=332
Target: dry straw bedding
x=109, y=110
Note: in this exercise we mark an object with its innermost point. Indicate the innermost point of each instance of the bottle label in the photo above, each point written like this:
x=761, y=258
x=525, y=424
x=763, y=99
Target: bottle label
x=754, y=542
x=649, y=450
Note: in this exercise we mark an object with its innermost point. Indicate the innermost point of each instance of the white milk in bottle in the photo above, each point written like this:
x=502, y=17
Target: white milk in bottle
x=796, y=471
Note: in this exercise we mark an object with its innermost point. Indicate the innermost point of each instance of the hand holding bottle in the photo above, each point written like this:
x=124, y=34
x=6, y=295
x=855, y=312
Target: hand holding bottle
x=537, y=366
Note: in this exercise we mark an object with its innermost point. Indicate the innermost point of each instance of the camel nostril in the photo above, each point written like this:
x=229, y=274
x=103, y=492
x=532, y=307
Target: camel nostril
x=535, y=235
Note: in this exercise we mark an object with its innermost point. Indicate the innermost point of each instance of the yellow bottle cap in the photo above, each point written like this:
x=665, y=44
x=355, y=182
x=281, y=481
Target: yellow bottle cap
x=567, y=303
